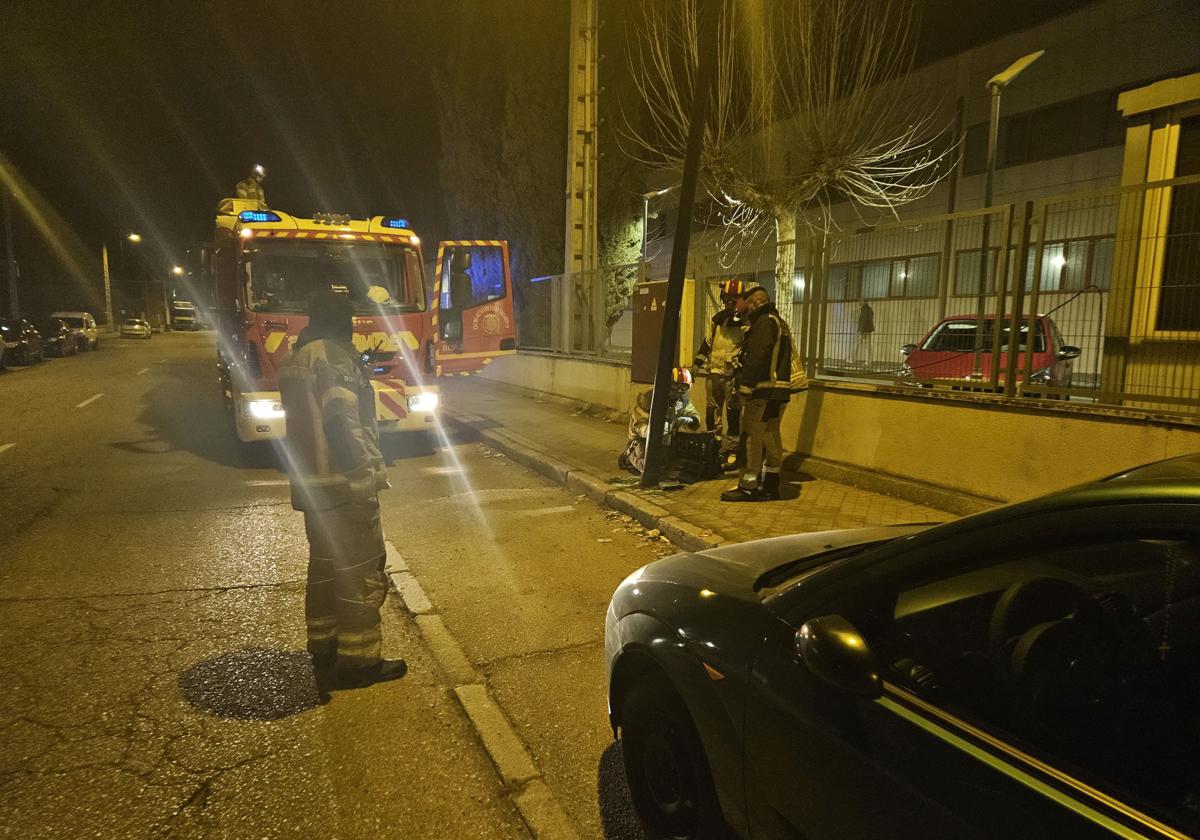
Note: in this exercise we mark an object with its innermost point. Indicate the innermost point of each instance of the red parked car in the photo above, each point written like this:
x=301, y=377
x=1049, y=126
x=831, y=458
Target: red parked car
x=948, y=351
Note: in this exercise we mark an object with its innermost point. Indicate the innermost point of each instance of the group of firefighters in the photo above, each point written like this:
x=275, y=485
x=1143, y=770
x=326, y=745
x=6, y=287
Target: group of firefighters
x=747, y=356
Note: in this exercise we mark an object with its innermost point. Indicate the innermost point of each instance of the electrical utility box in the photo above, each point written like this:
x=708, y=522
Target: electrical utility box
x=649, y=301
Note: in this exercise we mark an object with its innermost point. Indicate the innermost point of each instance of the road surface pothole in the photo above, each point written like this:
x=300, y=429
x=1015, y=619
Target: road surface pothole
x=253, y=684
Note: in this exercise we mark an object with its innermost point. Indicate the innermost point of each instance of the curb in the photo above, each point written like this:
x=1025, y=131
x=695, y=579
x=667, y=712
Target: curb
x=683, y=533
x=535, y=802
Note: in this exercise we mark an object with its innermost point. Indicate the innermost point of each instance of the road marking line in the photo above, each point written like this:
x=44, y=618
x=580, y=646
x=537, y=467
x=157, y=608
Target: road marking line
x=267, y=482
x=143, y=370
x=4, y=447
x=90, y=400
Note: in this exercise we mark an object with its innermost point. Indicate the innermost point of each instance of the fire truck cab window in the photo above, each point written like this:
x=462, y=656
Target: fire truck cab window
x=280, y=276
x=473, y=275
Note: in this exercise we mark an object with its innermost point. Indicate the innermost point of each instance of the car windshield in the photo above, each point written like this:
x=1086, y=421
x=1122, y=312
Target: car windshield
x=958, y=336
x=281, y=276
x=73, y=322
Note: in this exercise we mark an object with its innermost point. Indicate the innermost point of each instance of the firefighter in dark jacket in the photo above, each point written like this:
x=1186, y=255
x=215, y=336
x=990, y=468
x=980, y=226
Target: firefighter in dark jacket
x=763, y=379
x=336, y=471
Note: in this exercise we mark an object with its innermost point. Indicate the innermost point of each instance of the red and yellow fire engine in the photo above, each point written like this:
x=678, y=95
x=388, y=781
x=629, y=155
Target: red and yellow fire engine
x=265, y=264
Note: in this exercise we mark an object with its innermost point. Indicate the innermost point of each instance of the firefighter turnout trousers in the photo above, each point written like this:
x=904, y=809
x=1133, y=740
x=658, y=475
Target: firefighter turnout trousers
x=346, y=582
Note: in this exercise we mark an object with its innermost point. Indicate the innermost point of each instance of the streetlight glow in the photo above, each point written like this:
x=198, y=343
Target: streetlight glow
x=134, y=237
x=177, y=270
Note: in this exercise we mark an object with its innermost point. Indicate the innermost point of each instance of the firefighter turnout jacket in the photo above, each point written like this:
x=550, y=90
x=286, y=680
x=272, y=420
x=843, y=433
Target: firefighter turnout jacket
x=332, y=434
x=764, y=372
x=719, y=350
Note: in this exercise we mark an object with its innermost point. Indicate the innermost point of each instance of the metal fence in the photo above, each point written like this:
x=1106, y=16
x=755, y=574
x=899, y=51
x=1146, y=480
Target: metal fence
x=585, y=313
x=1101, y=290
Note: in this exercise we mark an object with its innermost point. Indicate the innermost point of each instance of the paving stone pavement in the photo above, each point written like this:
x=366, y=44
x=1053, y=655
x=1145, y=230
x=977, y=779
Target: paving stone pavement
x=592, y=441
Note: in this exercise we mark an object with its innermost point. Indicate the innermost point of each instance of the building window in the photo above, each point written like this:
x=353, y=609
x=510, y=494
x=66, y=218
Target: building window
x=1072, y=265
x=901, y=277
x=1179, y=292
x=966, y=272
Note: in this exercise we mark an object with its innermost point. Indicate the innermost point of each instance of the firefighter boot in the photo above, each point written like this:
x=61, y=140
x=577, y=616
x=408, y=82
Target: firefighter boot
x=768, y=489
x=384, y=670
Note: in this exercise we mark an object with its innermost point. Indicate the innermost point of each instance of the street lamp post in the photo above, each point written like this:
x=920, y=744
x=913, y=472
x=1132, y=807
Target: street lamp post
x=646, y=218
x=178, y=272
x=135, y=238
x=995, y=85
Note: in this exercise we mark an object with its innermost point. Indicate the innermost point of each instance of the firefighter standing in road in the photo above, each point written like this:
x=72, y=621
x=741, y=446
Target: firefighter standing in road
x=723, y=407
x=336, y=471
x=252, y=186
x=763, y=379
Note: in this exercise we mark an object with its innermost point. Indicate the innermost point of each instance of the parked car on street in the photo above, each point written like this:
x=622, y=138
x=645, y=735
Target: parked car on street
x=135, y=328
x=22, y=343
x=58, y=339
x=1031, y=671
x=84, y=326
x=948, y=351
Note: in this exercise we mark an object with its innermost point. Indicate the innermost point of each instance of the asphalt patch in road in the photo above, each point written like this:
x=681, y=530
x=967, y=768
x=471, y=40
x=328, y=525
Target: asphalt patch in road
x=252, y=684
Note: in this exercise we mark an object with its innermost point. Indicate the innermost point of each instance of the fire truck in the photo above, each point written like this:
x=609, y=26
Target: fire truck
x=264, y=266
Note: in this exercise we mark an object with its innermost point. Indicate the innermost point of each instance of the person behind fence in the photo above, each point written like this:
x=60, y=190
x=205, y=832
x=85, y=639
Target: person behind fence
x=866, y=331
x=763, y=380
x=336, y=472
x=723, y=406
x=681, y=414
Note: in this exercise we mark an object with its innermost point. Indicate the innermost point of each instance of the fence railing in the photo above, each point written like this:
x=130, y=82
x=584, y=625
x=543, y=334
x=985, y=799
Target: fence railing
x=585, y=313
x=1101, y=290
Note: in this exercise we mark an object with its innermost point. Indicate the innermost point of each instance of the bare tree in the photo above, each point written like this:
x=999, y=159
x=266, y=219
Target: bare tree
x=813, y=107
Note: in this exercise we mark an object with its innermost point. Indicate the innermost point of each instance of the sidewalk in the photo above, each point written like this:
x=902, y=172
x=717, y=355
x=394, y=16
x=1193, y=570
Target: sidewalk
x=580, y=450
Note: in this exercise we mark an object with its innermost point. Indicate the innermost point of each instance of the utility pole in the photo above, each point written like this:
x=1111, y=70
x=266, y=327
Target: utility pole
x=583, y=73
x=709, y=12
x=14, y=303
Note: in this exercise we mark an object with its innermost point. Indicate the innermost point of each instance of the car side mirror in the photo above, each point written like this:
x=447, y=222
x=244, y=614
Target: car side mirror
x=1068, y=352
x=833, y=650
x=908, y=349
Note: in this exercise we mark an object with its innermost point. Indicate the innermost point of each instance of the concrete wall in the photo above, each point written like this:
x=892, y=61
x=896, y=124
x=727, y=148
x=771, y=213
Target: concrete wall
x=1004, y=452
x=599, y=383
x=888, y=439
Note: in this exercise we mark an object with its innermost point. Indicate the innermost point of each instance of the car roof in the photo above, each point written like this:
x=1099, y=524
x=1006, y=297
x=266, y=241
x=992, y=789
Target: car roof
x=1185, y=468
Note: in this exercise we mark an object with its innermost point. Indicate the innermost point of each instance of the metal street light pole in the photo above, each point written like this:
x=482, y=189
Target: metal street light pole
x=135, y=238
x=14, y=303
x=995, y=85
x=646, y=220
x=178, y=272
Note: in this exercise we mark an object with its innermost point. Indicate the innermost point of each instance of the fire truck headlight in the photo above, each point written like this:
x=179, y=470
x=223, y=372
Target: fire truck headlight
x=263, y=409
x=423, y=402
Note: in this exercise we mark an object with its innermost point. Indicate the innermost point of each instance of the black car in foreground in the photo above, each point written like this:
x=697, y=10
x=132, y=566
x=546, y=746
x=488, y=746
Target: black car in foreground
x=1031, y=671
x=22, y=343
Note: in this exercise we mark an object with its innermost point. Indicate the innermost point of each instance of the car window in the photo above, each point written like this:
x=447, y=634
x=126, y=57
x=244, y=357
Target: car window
x=1085, y=654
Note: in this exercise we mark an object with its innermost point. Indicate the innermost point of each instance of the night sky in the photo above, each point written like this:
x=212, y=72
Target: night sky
x=138, y=116
x=141, y=116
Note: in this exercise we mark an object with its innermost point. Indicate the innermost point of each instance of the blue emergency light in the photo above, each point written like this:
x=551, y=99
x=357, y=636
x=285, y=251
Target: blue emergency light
x=396, y=223
x=258, y=216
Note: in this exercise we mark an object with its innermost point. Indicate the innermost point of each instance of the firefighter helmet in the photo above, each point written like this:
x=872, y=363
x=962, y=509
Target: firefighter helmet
x=681, y=376
x=732, y=289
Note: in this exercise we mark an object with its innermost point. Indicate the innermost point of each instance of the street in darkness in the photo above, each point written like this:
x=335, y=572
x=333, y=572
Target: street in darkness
x=155, y=672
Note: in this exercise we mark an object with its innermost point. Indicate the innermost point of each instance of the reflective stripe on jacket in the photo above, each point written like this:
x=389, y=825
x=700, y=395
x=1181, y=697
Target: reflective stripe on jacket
x=332, y=438
x=766, y=358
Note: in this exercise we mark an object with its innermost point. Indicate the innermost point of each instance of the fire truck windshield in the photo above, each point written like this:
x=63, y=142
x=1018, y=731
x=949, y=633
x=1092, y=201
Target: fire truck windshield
x=280, y=276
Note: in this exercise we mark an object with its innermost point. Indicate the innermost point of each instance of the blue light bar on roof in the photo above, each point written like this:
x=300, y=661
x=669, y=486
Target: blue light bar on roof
x=258, y=216
x=396, y=223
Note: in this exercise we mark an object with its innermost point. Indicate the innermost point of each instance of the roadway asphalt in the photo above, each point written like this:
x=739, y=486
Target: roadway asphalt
x=151, y=619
